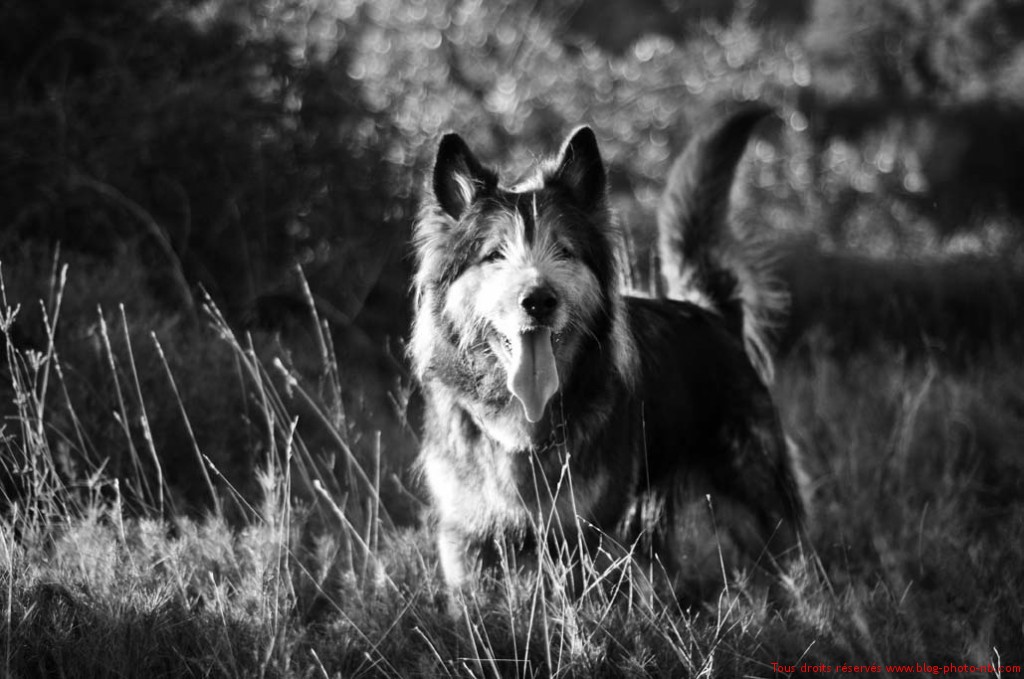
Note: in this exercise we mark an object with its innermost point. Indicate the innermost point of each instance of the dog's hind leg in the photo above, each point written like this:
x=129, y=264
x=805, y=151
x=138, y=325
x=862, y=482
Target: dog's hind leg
x=711, y=541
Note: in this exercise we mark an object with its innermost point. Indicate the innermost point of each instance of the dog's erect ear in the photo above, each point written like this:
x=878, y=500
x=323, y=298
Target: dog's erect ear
x=581, y=170
x=459, y=178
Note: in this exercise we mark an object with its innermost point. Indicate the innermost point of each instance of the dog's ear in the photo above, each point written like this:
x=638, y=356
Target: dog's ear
x=459, y=178
x=580, y=169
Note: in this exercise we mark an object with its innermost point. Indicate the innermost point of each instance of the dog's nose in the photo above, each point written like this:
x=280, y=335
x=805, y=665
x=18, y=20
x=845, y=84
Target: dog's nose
x=539, y=302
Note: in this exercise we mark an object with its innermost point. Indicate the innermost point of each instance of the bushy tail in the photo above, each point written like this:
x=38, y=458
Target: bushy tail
x=703, y=260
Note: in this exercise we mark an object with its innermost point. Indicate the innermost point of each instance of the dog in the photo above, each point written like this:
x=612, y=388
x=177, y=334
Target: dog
x=559, y=410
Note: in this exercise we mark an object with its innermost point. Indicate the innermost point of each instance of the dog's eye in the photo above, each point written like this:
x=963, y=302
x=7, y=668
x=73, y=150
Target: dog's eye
x=563, y=252
x=493, y=256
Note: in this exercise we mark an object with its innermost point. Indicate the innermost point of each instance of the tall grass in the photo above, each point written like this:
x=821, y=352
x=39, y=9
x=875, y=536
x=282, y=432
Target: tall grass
x=914, y=553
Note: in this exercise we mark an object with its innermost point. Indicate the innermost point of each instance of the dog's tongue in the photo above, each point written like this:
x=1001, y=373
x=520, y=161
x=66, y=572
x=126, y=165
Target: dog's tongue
x=532, y=377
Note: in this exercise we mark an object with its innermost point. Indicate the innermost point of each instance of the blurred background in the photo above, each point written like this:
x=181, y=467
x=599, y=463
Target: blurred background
x=177, y=152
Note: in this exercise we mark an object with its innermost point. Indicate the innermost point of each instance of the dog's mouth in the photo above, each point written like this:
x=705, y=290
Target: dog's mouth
x=532, y=372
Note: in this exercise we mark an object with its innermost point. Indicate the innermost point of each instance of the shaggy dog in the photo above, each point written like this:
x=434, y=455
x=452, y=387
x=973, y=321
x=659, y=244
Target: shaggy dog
x=559, y=410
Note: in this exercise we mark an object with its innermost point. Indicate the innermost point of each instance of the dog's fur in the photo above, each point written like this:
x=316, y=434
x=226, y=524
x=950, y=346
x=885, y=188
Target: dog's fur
x=554, y=401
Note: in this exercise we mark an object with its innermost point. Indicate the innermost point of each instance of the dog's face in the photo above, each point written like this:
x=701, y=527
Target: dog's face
x=515, y=278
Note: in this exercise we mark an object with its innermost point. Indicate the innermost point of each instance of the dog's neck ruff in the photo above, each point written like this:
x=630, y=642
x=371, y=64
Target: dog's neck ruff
x=508, y=428
x=511, y=433
x=556, y=439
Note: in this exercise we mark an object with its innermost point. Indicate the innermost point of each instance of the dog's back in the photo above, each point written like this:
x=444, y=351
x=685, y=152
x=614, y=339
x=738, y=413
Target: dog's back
x=717, y=466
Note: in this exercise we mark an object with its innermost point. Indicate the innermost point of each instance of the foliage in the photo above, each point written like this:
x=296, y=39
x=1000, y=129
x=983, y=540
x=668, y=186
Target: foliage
x=227, y=140
x=223, y=142
x=212, y=153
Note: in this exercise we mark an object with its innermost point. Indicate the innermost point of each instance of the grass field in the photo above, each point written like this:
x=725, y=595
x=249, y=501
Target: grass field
x=917, y=545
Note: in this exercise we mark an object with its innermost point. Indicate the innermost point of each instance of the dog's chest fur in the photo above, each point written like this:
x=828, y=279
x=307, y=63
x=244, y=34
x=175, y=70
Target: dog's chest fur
x=488, y=476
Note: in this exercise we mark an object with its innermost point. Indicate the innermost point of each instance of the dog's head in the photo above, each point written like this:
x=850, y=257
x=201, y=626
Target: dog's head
x=513, y=282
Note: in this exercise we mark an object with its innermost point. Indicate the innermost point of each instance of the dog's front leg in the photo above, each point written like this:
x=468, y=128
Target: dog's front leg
x=459, y=557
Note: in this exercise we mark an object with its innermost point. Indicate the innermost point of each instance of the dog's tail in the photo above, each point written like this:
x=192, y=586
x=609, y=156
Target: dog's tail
x=703, y=260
